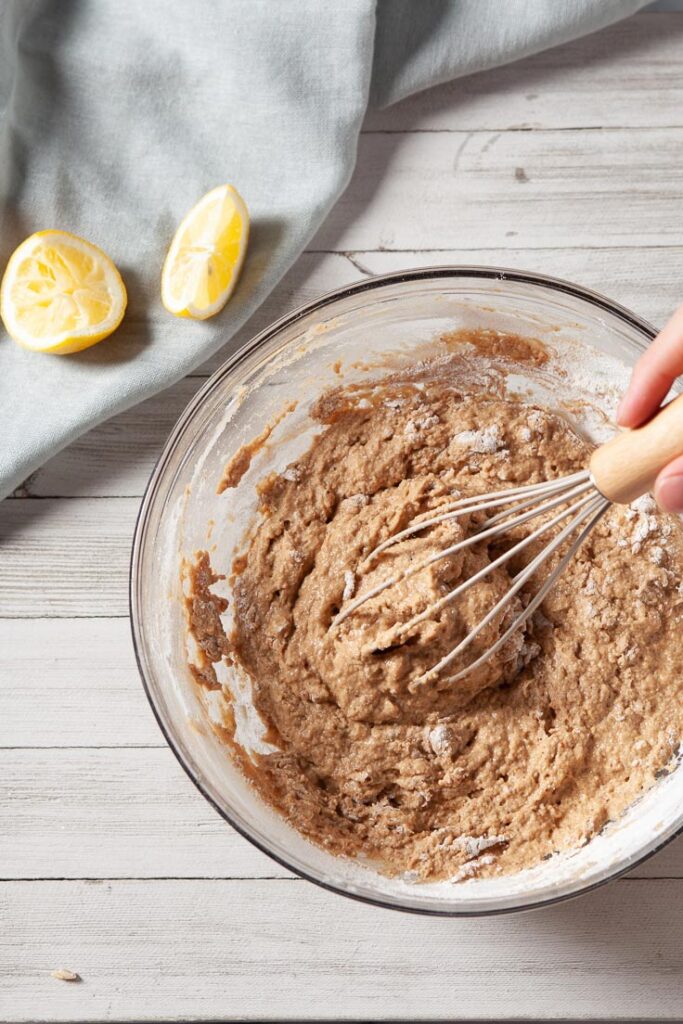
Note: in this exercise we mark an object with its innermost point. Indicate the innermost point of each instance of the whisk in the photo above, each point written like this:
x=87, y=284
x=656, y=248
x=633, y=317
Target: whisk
x=619, y=471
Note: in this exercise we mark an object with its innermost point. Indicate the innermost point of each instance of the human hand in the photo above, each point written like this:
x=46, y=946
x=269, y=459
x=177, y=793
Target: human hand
x=653, y=375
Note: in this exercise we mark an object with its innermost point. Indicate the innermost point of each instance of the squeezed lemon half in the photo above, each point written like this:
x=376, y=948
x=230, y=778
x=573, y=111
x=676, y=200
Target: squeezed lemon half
x=60, y=294
x=206, y=255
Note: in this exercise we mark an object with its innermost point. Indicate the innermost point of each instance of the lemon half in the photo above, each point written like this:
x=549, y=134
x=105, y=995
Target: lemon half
x=206, y=255
x=60, y=294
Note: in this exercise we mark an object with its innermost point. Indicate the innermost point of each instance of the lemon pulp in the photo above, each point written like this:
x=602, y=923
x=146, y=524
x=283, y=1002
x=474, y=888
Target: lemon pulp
x=60, y=293
x=206, y=255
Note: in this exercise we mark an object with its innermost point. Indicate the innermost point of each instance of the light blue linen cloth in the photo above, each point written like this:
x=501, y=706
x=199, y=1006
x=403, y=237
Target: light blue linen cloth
x=117, y=115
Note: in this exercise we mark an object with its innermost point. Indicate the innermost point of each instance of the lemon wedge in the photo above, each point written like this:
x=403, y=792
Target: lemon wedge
x=60, y=294
x=206, y=255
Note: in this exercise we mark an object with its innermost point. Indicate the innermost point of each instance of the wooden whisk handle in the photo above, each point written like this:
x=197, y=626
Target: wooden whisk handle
x=627, y=465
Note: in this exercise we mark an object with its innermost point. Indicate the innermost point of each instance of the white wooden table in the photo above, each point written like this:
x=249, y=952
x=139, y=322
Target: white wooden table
x=112, y=864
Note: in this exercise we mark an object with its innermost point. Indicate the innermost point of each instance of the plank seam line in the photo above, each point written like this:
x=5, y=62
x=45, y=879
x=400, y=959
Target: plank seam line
x=71, y=497
x=356, y=264
x=375, y=1019
x=615, y=246
x=66, y=615
x=155, y=878
x=88, y=746
x=521, y=129
x=244, y=878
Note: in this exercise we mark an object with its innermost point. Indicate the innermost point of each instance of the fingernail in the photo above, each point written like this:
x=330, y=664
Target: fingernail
x=669, y=493
x=623, y=410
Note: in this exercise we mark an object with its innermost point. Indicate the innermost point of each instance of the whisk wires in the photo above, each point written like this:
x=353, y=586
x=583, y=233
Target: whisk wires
x=584, y=508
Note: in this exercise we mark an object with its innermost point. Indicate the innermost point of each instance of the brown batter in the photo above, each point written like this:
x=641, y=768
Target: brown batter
x=530, y=754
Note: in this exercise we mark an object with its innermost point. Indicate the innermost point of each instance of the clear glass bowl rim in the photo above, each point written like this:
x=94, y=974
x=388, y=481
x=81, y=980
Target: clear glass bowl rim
x=370, y=284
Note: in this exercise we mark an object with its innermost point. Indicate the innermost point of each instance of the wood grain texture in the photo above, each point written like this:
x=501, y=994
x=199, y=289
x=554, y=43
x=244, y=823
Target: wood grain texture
x=628, y=465
x=509, y=189
x=647, y=280
x=72, y=682
x=65, y=557
x=118, y=814
x=133, y=813
x=285, y=950
x=628, y=75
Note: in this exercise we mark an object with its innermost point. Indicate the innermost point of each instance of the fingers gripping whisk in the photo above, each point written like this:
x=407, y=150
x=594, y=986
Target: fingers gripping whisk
x=579, y=506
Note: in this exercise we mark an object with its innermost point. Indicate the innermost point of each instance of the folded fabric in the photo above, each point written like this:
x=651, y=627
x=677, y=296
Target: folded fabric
x=117, y=115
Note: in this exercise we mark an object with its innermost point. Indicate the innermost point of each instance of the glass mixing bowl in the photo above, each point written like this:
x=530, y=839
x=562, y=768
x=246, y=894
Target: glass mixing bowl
x=295, y=358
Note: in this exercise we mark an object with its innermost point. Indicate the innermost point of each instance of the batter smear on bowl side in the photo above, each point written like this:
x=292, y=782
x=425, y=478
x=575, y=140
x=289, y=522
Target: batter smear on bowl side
x=531, y=754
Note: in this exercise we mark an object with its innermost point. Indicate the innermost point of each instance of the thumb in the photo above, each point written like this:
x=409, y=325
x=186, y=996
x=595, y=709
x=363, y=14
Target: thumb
x=668, y=489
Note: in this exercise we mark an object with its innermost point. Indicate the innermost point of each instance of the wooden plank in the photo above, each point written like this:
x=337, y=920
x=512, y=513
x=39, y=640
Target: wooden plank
x=509, y=189
x=76, y=813
x=65, y=557
x=72, y=682
x=286, y=950
x=115, y=813
x=646, y=280
x=628, y=75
